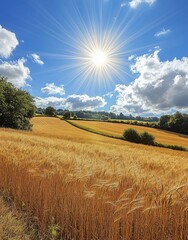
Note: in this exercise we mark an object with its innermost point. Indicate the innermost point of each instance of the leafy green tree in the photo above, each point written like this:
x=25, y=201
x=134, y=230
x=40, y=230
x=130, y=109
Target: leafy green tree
x=175, y=122
x=16, y=106
x=112, y=115
x=67, y=115
x=50, y=111
x=185, y=124
x=80, y=114
x=163, y=121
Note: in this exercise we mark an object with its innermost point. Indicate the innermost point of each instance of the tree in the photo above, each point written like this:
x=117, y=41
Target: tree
x=67, y=115
x=50, y=111
x=163, y=121
x=80, y=114
x=16, y=106
x=112, y=115
x=176, y=121
x=185, y=124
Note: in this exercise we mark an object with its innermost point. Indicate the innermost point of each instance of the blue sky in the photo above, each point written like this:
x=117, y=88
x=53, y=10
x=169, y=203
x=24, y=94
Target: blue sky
x=127, y=56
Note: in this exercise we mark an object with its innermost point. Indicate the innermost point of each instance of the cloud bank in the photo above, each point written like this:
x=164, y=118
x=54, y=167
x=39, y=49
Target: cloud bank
x=72, y=102
x=159, y=87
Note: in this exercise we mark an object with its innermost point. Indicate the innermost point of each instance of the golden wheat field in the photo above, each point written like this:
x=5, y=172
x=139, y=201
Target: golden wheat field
x=117, y=129
x=85, y=186
x=11, y=224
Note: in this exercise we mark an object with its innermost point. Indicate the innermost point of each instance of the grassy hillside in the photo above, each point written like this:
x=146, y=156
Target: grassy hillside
x=161, y=136
x=86, y=186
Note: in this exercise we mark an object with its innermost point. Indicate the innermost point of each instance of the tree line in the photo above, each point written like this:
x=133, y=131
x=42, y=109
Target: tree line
x=177, y=122
x=96, y=115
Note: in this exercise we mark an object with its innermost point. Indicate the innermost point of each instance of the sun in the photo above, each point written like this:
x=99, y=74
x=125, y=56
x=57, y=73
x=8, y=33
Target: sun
x=99, y=58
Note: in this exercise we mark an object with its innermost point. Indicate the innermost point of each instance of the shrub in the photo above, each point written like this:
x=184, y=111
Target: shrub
x=147, y=138
x=132, y=135
x=174, y=147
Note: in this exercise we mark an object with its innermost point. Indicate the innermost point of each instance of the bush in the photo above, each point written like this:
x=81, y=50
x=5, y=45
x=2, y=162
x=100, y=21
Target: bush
x=174, y=147
x=132, y=135
x=147, y=138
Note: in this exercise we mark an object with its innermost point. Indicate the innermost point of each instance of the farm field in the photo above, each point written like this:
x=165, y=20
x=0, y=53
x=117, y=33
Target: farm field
x=117, y=129
x=85, y=186
x=12, y=225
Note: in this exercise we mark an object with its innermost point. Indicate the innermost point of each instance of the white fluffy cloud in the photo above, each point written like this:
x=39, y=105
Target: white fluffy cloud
x=36, y=59
x=52, y=89
x=136, y=3
x=85, y=102
x=160, y=86
x=162, y=32
x=72, y=102
x=50, y=101
x=8, y=42
x=16, y=72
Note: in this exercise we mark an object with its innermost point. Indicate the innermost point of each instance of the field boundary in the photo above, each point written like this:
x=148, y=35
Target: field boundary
x=173, y=147
x=93, y=130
